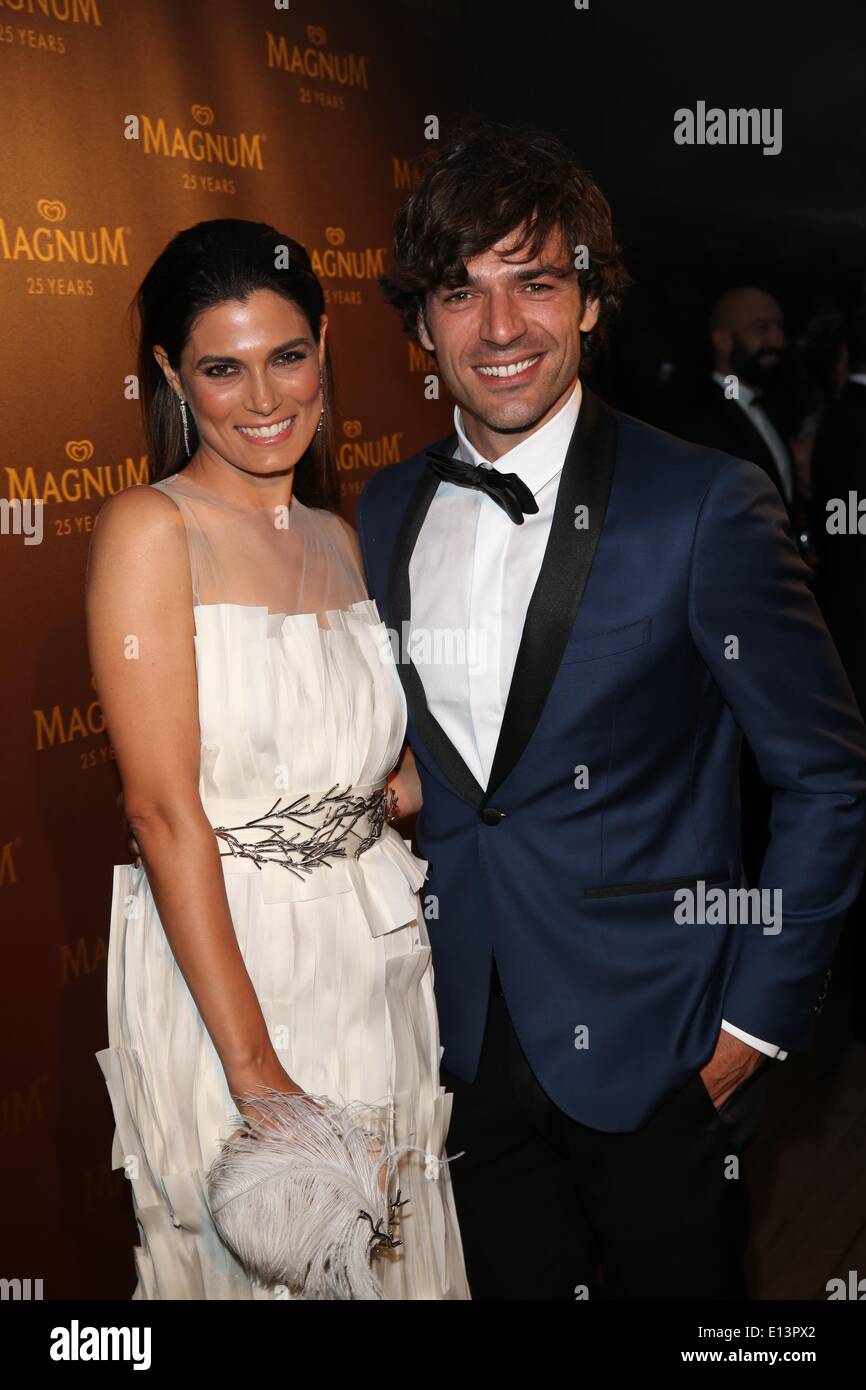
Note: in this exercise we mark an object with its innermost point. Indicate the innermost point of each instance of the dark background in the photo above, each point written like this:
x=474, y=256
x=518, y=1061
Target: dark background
x=693, y=220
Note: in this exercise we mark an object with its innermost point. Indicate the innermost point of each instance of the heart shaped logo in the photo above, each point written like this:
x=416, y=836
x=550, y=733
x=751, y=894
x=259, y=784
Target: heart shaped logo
x=79, y=450
x=51, y=210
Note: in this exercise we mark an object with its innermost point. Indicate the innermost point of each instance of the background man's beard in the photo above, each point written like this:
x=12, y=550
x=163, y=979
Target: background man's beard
x=780, y=382
x=763, y=375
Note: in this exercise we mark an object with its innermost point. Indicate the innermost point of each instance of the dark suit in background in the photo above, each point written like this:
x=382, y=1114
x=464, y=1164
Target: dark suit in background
x=707, y=416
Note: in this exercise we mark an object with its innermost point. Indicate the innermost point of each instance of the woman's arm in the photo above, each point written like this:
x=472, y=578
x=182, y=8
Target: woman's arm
x=404, y=780
x=406, y=784
x=140, y=634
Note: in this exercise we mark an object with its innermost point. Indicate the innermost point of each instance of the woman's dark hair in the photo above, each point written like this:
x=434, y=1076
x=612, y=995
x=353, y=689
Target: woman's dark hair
x=210, y=263
x=486, y=182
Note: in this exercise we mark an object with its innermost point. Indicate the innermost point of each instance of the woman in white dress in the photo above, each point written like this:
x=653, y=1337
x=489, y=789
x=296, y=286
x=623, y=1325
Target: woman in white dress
x=248, y=682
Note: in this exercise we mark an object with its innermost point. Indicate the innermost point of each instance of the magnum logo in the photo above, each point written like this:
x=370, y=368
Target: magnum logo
x=77, y=484
x=55, y=726
x=87, y=958
x=51, y=242
x=419, y=359
x=337, y=263
x=359, y=453
x=346, y=69
x=21, y=1110
x=406, y=174
x=198, y=143
x=69, y=11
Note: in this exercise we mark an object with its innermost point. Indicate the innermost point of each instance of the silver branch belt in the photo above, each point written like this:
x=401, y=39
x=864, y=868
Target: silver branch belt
x=309, y=832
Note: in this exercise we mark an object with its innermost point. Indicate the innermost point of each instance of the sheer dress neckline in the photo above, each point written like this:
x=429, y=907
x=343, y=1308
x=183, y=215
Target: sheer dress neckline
x=275, y=564
x=207, y=494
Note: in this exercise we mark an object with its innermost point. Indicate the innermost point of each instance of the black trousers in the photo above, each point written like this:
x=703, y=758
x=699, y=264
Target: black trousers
x=551, y=1209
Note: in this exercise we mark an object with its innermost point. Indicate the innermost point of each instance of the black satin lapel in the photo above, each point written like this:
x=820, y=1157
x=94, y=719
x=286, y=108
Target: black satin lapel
x=399, y=618
x=586, y=480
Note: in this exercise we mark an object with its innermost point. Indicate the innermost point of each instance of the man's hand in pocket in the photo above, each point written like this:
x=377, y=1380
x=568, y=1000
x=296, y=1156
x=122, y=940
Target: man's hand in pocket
x=730, y=1065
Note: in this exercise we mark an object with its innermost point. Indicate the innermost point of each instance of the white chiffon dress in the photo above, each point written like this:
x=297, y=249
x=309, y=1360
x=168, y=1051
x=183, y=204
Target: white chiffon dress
x=299, y=699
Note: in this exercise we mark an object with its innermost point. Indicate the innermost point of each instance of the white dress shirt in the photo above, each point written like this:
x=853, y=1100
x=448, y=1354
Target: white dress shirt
x=754, y=411
x=471, y=576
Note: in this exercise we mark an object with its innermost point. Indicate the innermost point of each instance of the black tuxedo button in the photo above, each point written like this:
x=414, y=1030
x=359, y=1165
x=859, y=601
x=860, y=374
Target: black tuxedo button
x=491, y=816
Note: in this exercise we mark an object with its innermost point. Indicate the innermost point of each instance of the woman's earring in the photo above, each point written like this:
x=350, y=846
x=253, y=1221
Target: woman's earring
x=322, y=411
x=185, y=425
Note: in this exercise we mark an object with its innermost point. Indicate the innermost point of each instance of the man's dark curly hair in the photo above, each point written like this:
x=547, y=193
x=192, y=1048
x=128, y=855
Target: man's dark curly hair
x=488, y=180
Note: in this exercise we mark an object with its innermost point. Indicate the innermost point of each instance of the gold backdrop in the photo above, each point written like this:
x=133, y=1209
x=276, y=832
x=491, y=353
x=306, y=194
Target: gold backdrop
x=122, y=122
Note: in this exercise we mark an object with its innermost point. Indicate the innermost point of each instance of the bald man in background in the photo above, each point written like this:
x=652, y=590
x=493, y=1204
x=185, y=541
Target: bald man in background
x=730, y=410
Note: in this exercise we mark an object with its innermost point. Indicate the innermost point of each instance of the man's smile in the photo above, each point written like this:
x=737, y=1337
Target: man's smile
x=517, y=371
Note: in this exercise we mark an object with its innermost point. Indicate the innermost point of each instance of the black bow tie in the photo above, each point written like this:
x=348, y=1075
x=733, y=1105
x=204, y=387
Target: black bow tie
x=507, y=489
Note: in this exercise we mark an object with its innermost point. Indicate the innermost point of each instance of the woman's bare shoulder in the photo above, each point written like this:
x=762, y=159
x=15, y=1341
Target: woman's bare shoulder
x=139, y=507
x=139, y=537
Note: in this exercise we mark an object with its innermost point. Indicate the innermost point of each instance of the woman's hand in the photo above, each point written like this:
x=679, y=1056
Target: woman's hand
x=406, y=785
x=253, y=1080
x=132, y=844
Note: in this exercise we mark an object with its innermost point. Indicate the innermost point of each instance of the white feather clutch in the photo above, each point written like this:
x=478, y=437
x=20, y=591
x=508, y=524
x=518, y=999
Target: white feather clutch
x=301, y=1197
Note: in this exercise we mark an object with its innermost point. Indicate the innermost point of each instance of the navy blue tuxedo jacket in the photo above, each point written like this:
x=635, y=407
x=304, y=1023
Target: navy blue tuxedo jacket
x=626, y=667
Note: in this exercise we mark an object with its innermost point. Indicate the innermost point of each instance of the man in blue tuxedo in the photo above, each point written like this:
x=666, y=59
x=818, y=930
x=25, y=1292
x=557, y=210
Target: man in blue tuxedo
x=587, y=613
